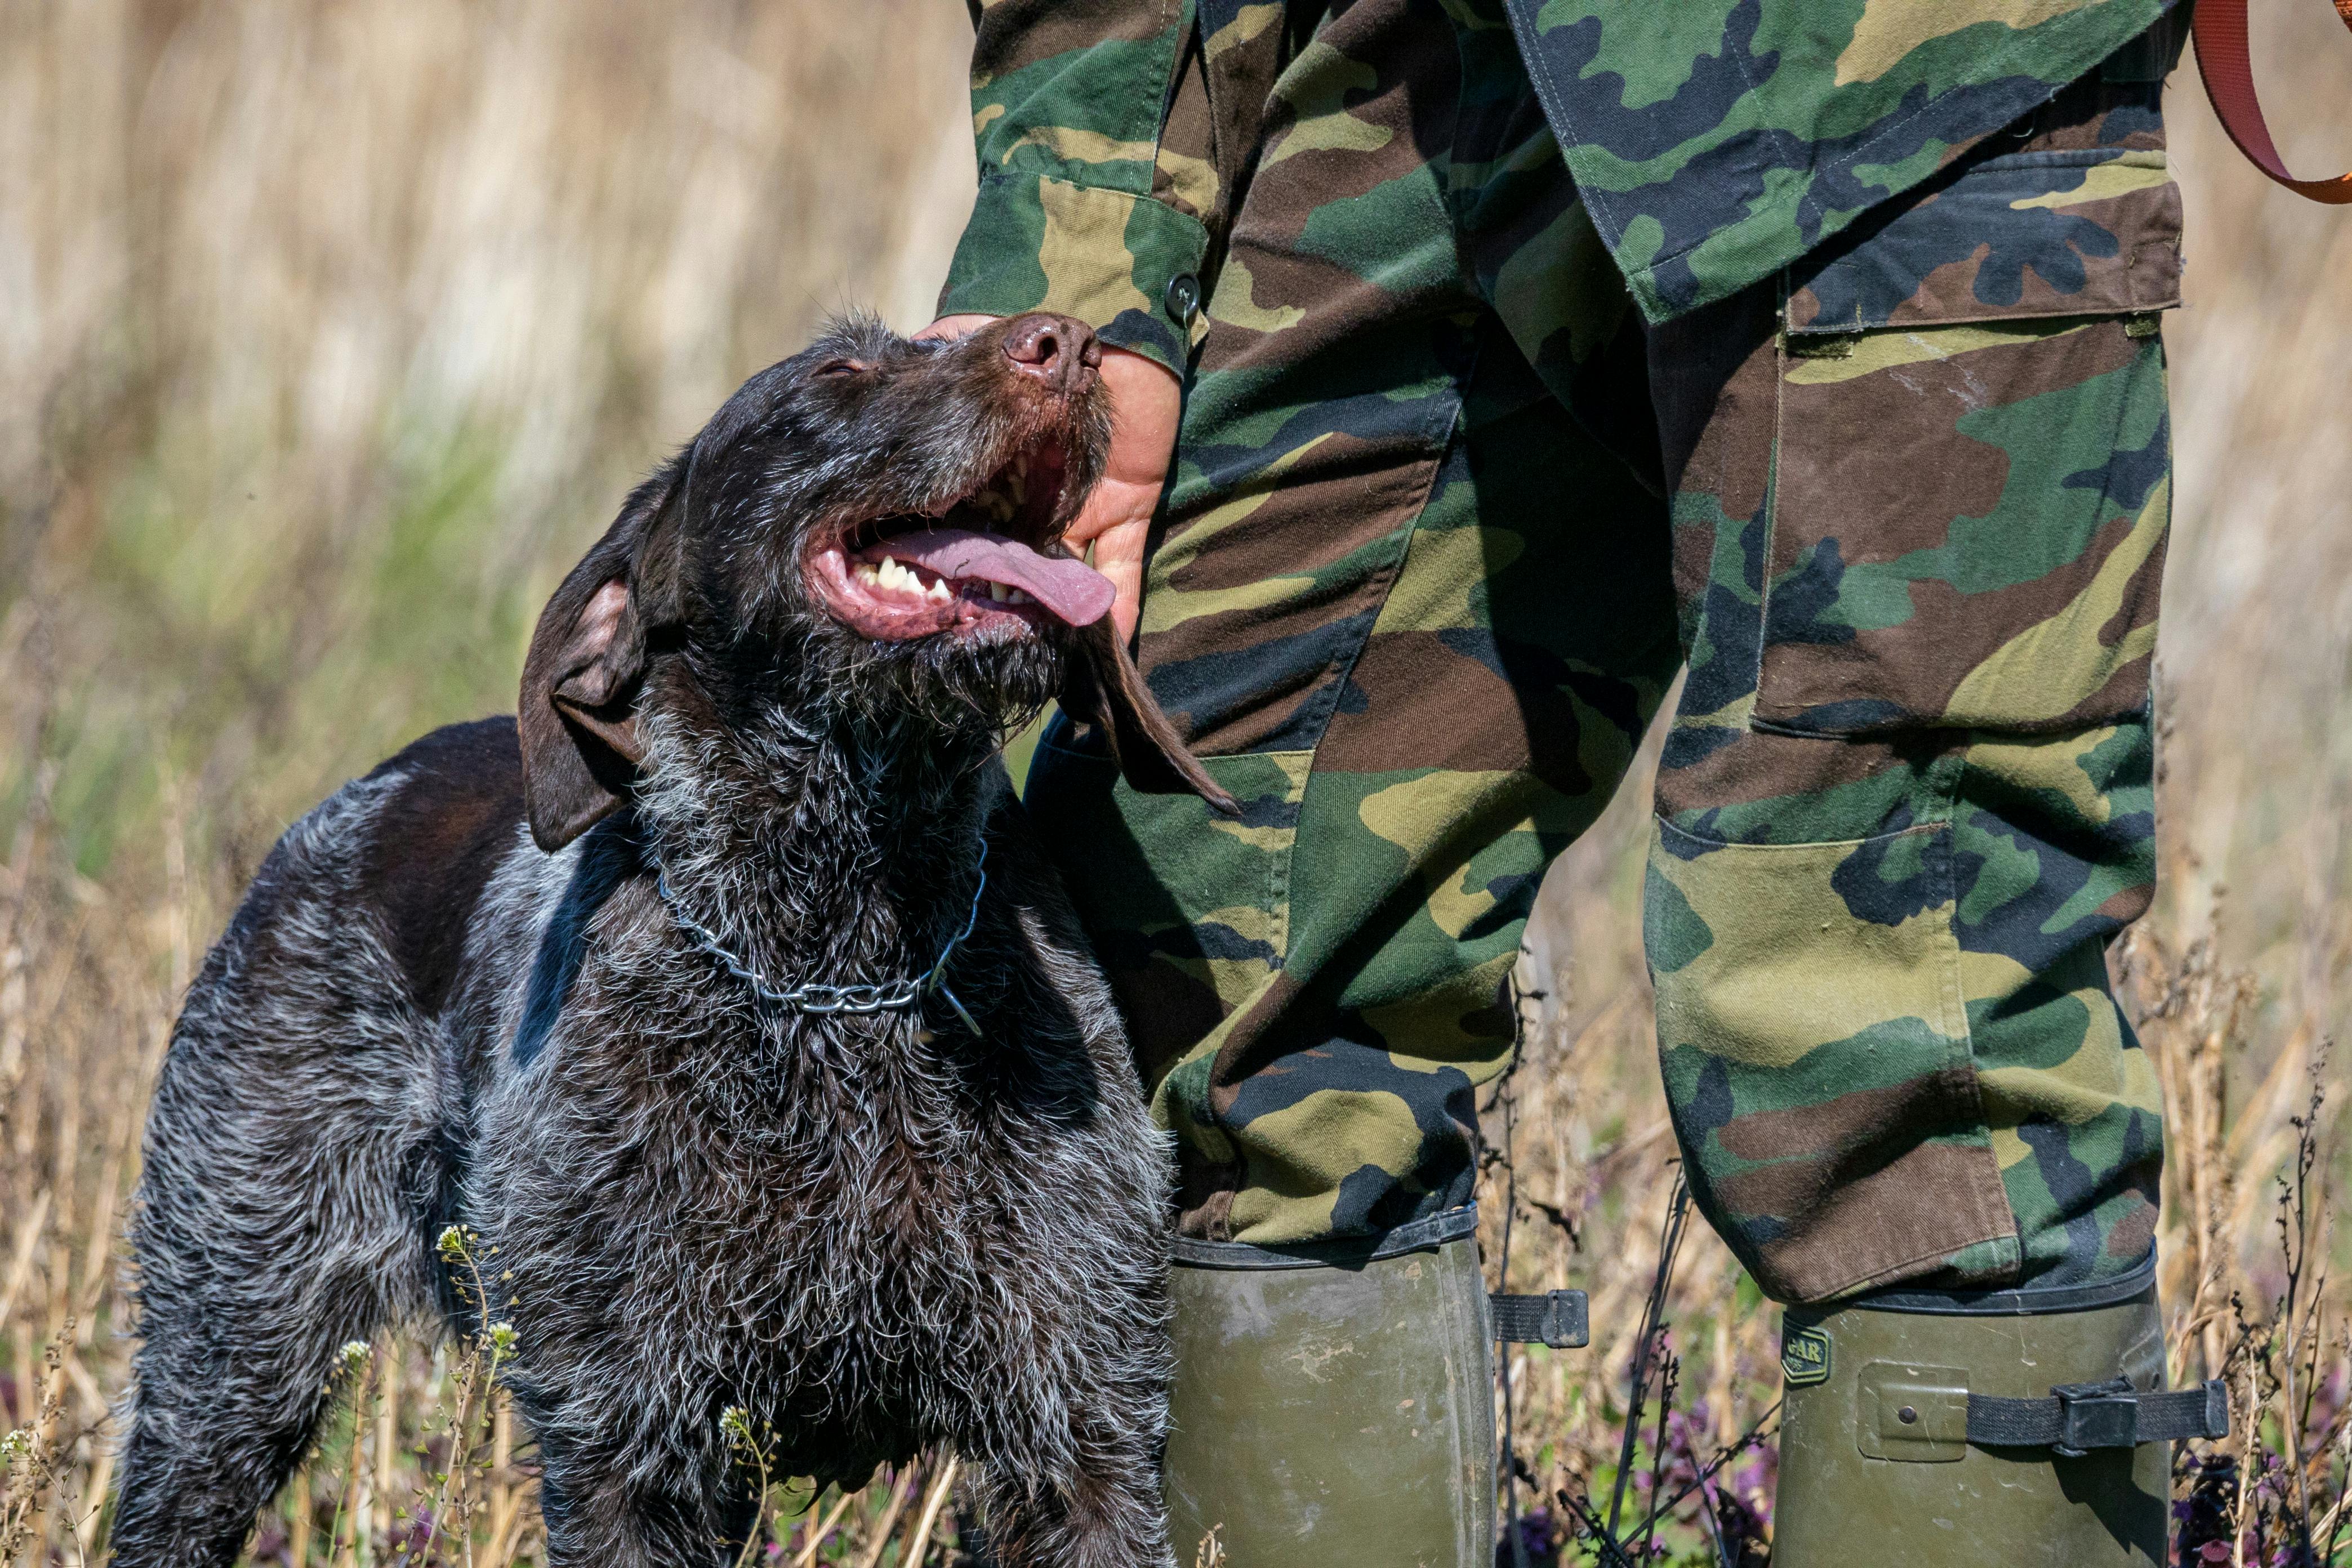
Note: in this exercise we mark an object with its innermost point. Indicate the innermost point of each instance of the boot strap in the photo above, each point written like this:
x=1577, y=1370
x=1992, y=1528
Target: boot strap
x=1557, y=1318
x=2080, y=1416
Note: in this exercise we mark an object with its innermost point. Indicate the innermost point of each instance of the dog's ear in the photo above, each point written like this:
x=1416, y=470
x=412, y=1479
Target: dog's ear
x=587, y=661
x=1101, y=684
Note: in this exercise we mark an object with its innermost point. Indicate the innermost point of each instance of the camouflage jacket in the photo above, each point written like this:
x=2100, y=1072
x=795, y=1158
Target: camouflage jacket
x=1713, y=142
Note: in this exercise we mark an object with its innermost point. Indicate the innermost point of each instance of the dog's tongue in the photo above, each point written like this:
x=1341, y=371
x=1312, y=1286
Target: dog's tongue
x=1069, y=587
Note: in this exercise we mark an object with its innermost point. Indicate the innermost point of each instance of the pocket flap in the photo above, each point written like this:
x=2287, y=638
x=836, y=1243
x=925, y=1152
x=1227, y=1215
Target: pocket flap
x=2066, y=232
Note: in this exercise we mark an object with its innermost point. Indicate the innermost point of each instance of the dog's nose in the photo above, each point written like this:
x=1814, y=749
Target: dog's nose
x=1060, y=352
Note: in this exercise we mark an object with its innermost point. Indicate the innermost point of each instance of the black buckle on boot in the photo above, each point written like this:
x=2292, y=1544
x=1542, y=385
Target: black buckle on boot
x=2080, y=1416
x=1560, y=1318
x=2095, y=1415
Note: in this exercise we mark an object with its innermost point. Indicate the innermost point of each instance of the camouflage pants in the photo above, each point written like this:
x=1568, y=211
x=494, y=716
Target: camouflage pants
x=1446, y=522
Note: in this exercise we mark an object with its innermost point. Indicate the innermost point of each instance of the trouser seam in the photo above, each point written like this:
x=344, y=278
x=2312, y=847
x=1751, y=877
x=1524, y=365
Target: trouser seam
x=1343, y=669
x=1771, y=501
x=1944, y=776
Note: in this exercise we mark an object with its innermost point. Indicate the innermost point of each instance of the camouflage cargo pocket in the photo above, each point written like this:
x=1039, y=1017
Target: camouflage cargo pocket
x=1814, y=1039
x=1970, y=487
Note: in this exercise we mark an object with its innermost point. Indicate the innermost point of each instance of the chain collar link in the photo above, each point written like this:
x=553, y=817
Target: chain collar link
x=824, y=1001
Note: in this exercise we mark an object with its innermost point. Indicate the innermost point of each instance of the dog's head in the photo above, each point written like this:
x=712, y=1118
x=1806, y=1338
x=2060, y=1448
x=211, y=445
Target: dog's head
x=873, y=527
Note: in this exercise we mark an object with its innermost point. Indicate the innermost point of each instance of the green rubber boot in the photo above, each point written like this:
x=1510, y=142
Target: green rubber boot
x=1334, y=1404
x=1908, y=1432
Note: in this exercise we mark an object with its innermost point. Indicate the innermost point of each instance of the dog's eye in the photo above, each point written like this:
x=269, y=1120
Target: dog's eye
x=843, y=368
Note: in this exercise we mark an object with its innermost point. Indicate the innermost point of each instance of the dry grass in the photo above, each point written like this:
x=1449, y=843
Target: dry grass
x=331, y=331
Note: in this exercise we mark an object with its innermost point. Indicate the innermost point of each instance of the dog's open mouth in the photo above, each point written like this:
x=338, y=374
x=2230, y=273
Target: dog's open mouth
x=987, y=558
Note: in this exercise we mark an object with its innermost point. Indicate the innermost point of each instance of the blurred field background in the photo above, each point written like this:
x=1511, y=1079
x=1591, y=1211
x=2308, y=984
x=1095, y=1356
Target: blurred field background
x=330, y=335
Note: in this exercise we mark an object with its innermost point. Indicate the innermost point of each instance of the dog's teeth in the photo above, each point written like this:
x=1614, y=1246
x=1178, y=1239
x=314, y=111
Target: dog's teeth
x=996, y=592
x=1017, y=597
x=866, y=573
x=939, y=591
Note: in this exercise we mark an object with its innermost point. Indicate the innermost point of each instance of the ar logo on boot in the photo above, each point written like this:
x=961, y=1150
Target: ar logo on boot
x=1804, y=1356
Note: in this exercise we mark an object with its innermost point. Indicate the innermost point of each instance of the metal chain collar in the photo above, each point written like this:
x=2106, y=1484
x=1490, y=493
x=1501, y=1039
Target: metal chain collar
x=824, y=1001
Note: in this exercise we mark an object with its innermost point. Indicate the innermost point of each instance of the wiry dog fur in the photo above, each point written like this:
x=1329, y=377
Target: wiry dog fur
x=454, y=994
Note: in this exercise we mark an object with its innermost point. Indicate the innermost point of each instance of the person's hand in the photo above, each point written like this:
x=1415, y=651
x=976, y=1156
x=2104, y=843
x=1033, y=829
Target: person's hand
x=1146, y=402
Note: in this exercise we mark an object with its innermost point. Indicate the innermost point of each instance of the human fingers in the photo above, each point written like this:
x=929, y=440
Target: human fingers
x=1147, y=401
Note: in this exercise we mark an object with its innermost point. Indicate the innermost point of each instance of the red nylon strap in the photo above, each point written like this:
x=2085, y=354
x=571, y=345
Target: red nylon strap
x=2229, y=72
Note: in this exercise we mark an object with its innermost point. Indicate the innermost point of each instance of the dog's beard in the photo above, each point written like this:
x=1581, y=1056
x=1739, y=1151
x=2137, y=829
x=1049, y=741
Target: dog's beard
x=983, y=685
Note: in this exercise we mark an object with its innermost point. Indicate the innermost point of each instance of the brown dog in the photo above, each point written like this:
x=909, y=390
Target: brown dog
x=725, y=996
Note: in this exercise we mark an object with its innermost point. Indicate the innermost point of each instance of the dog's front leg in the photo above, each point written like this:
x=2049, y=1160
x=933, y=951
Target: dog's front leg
x=1109, y=1516
x=642, y=1500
